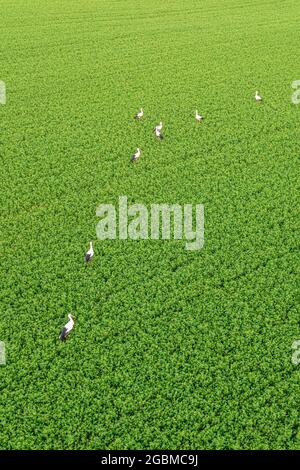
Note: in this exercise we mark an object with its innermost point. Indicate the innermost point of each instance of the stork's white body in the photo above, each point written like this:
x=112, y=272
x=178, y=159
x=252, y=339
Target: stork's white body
x=258, y=98
x=157, y=132
x=67, y=328
x=136, y=155
x=198, y=117
x=140, y=114
x=90, y=253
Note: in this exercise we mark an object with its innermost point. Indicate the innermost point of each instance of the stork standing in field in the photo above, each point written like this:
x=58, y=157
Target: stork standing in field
x=158, y=134
x=139, y=115
x=136, y=155
x=67, y=328
x=157, y=131
x=258, y=98
x=198, y=117
x=90, y=253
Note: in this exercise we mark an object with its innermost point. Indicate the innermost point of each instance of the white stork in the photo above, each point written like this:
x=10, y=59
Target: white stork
x=158, y=134
x=67, y=328
x=90, y=253
x=139, y=115
x=198, y=117
x=136, y=155
x=159, y=127
x=258, y=98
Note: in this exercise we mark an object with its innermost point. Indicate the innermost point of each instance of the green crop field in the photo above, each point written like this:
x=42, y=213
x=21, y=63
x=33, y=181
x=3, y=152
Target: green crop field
x=171, y=348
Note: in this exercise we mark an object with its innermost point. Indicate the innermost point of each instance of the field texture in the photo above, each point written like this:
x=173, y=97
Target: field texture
x=171, y=349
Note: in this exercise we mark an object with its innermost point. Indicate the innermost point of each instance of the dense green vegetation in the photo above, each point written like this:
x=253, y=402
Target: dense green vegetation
x=171, y=349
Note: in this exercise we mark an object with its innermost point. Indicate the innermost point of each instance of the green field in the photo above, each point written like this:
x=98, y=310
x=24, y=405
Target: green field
x=172, y=349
